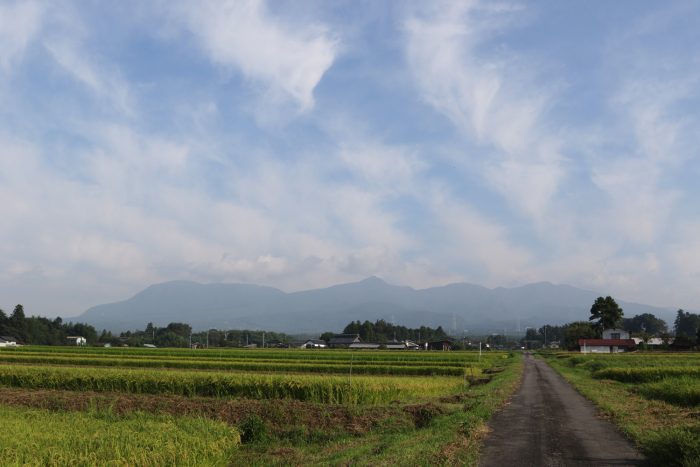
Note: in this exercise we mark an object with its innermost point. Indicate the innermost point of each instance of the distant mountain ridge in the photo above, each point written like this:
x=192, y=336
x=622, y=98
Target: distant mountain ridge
x=456, y=307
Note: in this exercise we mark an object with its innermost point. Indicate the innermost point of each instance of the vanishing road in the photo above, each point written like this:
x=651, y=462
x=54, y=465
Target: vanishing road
x=548, y=423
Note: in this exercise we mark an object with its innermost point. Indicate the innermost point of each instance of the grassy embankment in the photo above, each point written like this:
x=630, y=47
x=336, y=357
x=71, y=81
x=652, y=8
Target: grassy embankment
x=310, y=416
x=653, y=398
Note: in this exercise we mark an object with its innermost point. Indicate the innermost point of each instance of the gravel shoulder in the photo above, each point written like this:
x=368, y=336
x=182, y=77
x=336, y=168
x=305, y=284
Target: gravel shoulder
x=548, y=423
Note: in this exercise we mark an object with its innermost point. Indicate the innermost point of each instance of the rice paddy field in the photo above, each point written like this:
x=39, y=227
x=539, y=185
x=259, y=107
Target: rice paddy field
x=653, y=397
x=130, y=406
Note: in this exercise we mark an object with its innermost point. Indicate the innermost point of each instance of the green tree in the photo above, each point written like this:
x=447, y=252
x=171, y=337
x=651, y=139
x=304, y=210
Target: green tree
x=605, y=313
x=17, y=316
x=645, y=323
x=575, y=331
x=686, y=325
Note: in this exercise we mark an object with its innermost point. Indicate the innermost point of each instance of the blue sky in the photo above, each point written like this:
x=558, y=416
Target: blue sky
x=304, y=144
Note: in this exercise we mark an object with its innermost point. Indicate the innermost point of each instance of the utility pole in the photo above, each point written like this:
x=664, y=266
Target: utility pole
x=263, y=339
x=207, y=338
x=545, y=336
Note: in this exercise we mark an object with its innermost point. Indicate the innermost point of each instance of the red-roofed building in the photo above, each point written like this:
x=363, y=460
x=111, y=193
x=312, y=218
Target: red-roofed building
x=613, y=341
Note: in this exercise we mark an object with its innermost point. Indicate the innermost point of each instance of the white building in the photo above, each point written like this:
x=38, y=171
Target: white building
x=76, y=340
x=613, y=341
x=314, y=344
x=615, y=334
x=6, y=341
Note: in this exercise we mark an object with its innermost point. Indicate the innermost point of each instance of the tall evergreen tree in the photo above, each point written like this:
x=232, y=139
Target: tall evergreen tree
x=605, y=313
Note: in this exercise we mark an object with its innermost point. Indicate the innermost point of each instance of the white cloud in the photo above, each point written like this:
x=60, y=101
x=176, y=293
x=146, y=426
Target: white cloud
x=467, y=237
x=289, y=59
x=19, y=23
x=102, y=80
x=493, y=99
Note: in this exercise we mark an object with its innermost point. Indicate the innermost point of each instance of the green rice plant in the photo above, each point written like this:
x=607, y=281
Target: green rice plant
x=683, y=391
x=645, y=374
x=394, y=357
x=41, y=437
x=322, y=389
x=255, y=365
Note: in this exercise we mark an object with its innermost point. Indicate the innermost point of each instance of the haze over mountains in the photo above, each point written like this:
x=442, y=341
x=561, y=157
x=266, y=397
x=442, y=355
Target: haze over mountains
x=455, y=307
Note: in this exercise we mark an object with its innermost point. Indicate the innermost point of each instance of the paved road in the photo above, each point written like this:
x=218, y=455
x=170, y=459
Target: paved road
x=548, y=423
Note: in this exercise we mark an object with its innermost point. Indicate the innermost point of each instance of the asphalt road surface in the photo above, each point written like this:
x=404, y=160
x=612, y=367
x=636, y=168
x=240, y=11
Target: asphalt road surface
x=548, y=423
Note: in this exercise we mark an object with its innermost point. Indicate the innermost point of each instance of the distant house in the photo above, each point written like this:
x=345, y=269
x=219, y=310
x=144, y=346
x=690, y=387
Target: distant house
x=439, y=345
x=653, y=341
x=149, y=346
x=7, y=341
x=340, y=341
x=613, y=341
x=554, y=345
x=402, y=345
x=364, y=346
x=76, y=340
x=616, y=334
x=314, y=344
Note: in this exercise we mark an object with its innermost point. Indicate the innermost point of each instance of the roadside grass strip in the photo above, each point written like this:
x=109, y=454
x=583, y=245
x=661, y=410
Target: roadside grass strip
x=313, y=388
x=42, y=437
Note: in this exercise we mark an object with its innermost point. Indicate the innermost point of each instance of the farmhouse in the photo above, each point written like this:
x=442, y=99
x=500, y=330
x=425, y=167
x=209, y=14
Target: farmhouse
x=7, y=341
x=76, y=340
x=314, y=344
x=340, y=341
x=439, y=345
x=613, y=341
x=402, y=345
x=364, y=346
x=653, y=341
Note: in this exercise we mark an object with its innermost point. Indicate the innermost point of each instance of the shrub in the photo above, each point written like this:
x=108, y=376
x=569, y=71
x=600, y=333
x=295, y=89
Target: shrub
x=253, y=430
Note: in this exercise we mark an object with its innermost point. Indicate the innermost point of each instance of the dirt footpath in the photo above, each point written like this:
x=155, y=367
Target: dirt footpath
x=548, y=423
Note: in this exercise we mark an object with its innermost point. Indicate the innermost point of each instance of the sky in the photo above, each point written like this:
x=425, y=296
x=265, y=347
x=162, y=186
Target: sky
x=301, y=144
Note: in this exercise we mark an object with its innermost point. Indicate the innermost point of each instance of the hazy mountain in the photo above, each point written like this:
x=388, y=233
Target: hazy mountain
x=456, y=307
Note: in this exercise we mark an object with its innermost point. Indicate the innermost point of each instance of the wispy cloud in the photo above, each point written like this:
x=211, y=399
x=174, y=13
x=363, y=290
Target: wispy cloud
x=19, y=22
x=285, y=59
x=494, y=99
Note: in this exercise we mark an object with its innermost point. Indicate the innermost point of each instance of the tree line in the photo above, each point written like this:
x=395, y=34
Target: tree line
x=42, y=331
x=382, y=331
x=181, y=335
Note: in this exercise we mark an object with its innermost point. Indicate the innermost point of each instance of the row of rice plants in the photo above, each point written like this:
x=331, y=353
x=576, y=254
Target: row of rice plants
x=308, y=354
x=256, y=366
x=313, y=388
x=196, y=357
x=647, y=374
x=683, y=391
x=596, y=362
x=49, y=438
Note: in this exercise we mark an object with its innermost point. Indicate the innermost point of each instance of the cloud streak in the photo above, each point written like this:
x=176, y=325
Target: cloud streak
x=287, y=59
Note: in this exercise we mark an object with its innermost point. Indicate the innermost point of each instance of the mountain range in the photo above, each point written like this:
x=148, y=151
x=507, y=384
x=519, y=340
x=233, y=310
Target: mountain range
x=458, y=308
